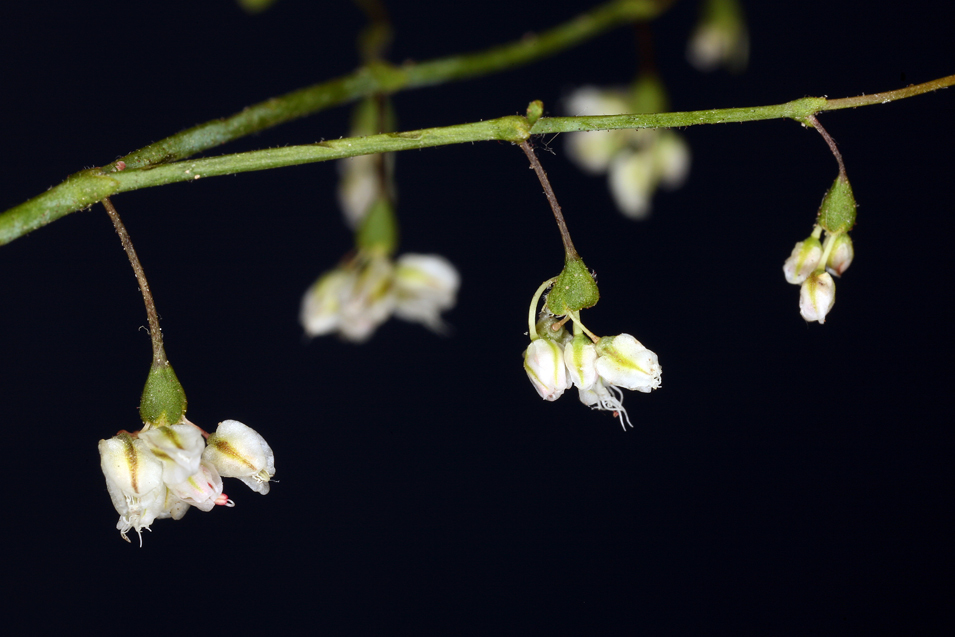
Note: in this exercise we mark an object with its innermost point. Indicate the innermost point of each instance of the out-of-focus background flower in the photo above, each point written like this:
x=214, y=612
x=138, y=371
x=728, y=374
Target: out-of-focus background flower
x=785, y=479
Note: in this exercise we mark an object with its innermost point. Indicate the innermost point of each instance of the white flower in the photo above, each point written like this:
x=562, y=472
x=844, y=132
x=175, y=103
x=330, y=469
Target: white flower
x=353, y=299
x=238, y=451
x=803, y=261
x=544, y=364
x=817, y=296
x=178, y=447
x=623, y=361
x=134, y=481
x=425, y=286
x=322, y=304
x=599, y=370
x=841, y=256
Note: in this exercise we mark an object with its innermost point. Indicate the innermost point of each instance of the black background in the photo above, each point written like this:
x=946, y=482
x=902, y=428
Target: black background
x=786, y=479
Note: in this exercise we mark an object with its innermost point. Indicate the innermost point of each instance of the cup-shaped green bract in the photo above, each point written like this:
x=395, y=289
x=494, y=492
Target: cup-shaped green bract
x=837, y=213
x=164, y=400
x=574, y=290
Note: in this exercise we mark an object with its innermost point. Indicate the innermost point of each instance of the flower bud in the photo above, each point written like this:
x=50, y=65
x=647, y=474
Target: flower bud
x=841, y=256
x=803, y=261
x=817, y=296
x=544, y=364
x=238, y=451
x=623, y=361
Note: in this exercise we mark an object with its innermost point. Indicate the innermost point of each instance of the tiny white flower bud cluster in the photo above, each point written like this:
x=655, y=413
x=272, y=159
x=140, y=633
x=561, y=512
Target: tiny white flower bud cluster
x=637, y=161
x=555, y=361
x=357, y=297
x=160, y=472
x=811, y=266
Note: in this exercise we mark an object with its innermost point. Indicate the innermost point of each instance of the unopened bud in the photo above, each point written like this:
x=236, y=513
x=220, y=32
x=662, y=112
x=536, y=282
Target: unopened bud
x=803, y=261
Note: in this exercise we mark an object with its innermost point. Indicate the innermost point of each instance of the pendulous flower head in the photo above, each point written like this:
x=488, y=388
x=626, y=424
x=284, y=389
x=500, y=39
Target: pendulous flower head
x=160, y=472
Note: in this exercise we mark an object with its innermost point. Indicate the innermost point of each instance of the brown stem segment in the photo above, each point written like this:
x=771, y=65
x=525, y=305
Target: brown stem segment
x=829, y=140
x=159, y=354
x=569, y=251
x=891, y=96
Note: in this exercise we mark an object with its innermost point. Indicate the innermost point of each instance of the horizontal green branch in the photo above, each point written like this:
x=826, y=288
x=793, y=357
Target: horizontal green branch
x=386, y=78
x=89, y=186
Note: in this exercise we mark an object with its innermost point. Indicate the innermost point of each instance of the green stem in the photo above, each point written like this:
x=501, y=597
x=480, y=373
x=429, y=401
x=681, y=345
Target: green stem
x=381, y=77
x=85, y=188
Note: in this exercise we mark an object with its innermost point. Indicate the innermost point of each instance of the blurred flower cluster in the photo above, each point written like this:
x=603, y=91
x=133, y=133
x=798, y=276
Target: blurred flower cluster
x=637, y=161
x=598, y=367
x=370, y=285
x=160, y=472
x=361, y=294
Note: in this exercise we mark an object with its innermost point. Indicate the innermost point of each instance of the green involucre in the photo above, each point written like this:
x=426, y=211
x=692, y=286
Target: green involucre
x=574, y=290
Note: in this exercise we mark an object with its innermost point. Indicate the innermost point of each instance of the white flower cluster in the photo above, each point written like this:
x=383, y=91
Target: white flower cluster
x=160, y=472
x=811, y=266
x=357, y=297
x=555, y=361
x=637, y=161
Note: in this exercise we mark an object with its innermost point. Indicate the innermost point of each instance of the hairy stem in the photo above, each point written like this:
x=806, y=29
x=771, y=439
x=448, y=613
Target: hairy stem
x=85, y=188
x=830, y=141
x=382, y=77
x=159, y=353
